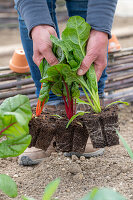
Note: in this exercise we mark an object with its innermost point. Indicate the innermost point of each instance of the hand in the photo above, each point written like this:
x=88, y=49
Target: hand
x=42, y=45
x=96, y=53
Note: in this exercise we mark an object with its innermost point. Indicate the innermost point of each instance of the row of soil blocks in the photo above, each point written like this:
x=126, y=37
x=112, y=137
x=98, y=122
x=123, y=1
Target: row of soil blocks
x=101, y=128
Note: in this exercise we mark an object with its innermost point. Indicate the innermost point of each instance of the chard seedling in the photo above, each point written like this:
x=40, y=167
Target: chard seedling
x=62, y=78
x=70, y=52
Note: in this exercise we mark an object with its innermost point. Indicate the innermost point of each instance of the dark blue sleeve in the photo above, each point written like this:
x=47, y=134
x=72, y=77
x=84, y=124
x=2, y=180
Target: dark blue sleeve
x=34, y=12
x=100, y=14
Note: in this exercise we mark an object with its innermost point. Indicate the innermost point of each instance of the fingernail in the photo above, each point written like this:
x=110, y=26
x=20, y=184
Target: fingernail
x=80, y=72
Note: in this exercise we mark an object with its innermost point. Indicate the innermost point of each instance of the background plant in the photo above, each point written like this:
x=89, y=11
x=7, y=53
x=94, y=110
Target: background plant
x=15, y=114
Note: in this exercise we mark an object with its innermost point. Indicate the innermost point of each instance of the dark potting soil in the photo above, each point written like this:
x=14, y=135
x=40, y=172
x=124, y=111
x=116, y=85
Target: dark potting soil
x=80, y=135
x=109, y=124
x=42, y=130
x=95, y=131
x=100, y=127
x=63, y=136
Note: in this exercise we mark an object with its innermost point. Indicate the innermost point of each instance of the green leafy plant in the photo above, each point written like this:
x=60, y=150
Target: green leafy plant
x=8, y=186
x=15, y=114
x=103, y=194
x=62, y=78
x=70, y=52
x=10, y=189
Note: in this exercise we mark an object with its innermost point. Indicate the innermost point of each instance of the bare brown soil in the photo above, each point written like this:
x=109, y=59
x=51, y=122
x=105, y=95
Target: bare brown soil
x=114, y=169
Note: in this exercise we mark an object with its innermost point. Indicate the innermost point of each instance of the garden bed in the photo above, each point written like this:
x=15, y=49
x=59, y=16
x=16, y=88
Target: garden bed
x=113, y=169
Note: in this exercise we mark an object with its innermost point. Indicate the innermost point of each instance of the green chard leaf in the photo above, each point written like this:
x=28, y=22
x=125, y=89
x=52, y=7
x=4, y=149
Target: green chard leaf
x=90, y=195
x=51, y=189
x=57, y=88
x=61, y=55
x=15, y=114
x=103, y=194
x=129, y=150
x=14, y=147
x=75, y=116
x=43, y=67
x=75, y=90
x=44, y=92
x=93, y=86
x=8, y=186
x=75, y=36
x=18, y=104
x=108, y=194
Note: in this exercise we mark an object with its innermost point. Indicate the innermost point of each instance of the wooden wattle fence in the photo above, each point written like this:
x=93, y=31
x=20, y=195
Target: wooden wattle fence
x=12, y=83
x=119, y=84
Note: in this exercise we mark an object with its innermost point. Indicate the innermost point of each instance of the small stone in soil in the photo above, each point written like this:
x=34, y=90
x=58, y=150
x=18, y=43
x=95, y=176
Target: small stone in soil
x=74, y=158
x=82, y=158
x=15, y=176
x=78, y=177
x=74, y=169
x=78, y=161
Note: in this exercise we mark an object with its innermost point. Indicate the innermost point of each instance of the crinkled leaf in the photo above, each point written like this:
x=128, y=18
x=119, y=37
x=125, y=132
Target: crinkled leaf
x=57, y=88
x=44, y=92
x=75, y=92
x=8, y=186
x=62, y=45
x=51, y=79
x=50, y=189
x=75, y=36
x=15, y=146
x=56, y=70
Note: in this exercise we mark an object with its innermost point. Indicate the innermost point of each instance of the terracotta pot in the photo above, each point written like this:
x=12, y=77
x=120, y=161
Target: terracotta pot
x=18, y=63
x=114, y=44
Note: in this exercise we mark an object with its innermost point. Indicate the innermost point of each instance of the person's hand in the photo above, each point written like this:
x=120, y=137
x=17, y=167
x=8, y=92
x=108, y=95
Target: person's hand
x=96, y=53
x=42, y=45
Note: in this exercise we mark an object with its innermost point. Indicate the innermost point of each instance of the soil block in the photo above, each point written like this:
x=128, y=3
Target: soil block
x=94, y=130
x=109, y=124
x=42, y=132
x=80, y=136
x=63, y=136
